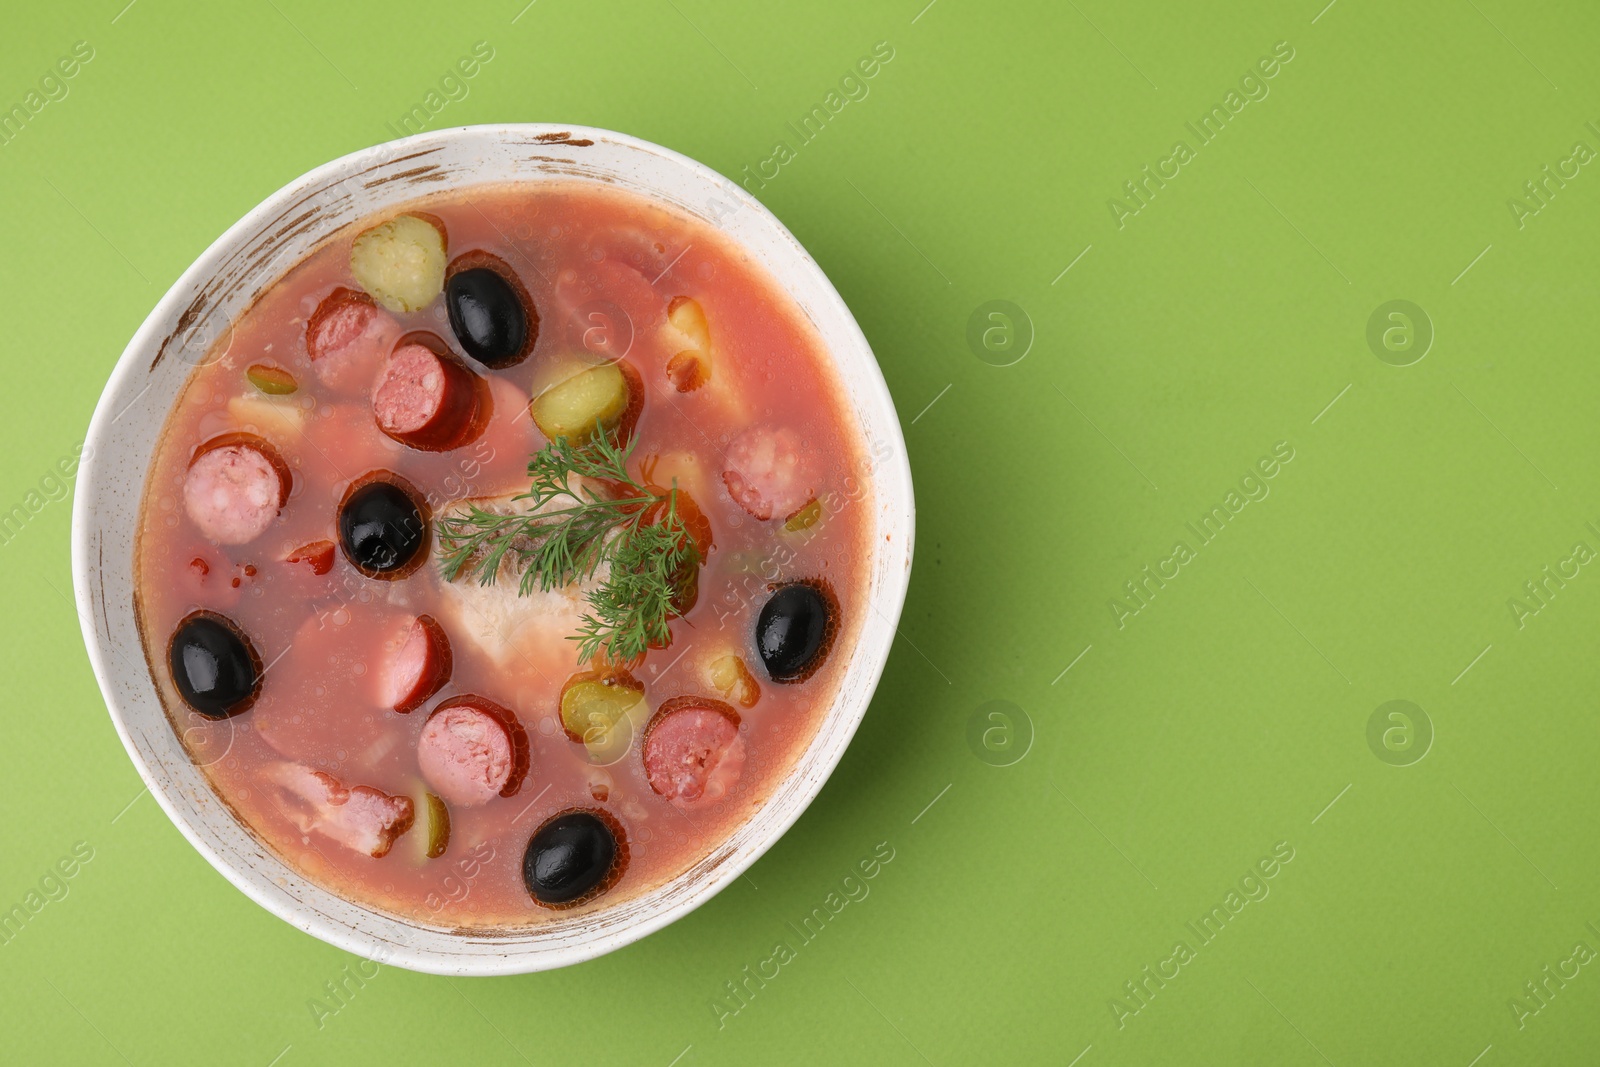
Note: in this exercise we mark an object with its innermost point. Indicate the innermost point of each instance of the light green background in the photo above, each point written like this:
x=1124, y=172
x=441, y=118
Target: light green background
x=1178, y=750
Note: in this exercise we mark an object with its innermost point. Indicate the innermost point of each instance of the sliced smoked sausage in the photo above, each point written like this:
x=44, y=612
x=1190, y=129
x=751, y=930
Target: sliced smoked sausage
x=692, y=748
x=419, y=668
x=347, y=337
x=427, y=398
x=236, y=485
x=768, y=473
x=472, y=750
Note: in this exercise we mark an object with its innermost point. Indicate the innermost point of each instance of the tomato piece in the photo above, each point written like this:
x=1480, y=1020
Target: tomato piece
x=318, y=553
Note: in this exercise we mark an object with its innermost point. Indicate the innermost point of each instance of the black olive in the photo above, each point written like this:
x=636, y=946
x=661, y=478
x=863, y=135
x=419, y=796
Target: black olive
x=574, y=856
x=795, y=629
x=489, y=310
x=214, y=665
x=383, y=526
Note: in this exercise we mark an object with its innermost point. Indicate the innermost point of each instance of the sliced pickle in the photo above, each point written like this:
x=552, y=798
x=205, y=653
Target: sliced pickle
x=274, y=381
x=596, y=709
x=805, y=518
x=437, y=817
x=400, y=263
x=432, y=825
x=576, y=405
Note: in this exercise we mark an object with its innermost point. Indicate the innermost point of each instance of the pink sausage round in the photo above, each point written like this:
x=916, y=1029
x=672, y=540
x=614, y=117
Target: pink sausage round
x=692, y=747
x=236, y=485
x=473, y=750
x=420, y=667
x=346, y=339
x=767, y=472
x=428, y=399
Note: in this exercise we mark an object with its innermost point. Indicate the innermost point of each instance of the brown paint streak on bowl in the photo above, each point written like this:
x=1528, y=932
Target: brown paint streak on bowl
x=429, y=168
x=184, y=322
x=564, y=137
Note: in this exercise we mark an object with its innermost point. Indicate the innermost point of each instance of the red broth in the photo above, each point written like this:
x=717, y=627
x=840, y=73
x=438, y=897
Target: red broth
x=601, y=268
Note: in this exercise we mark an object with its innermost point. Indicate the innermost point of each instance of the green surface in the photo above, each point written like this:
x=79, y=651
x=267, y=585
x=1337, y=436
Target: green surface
x=1185, y=743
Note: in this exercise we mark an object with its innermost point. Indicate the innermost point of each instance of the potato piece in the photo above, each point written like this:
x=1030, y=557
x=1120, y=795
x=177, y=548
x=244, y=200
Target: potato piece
x=691, y=367
x=400, y=262
x=575, y=406
x=689, y=318
x=681, y=469
x=280, y=419
x=729, y=676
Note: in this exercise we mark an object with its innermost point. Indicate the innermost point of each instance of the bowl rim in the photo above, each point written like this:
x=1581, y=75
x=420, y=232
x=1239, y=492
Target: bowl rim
x=891, y=480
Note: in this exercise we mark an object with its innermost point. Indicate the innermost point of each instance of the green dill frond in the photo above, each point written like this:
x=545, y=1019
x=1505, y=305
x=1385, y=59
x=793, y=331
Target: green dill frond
x=628, y=614
x=651, y=562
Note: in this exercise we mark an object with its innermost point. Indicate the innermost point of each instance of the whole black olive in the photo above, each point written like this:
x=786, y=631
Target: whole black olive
x=214, y=665
x=795, y=629
x=383, y=526
x=489, y=310
x=574, y=856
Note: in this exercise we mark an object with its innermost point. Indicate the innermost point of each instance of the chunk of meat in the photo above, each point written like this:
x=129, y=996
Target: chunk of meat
x=236, y=485
x=427, y=398
x=361, y=818
x=692, y=749
x=347, y=338
x=517, y=632
x=472, y=750
x=688, y=371
x=769, y=473
x=419, y=668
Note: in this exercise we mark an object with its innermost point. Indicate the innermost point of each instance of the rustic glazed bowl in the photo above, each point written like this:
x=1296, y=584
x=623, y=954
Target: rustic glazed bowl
x=197, y=311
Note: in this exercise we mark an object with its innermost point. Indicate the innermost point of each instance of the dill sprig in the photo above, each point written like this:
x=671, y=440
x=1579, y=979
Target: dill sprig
x=607, y=519
x=628, y=613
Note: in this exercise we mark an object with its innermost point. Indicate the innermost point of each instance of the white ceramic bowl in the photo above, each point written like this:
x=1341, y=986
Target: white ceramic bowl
x=220, y=285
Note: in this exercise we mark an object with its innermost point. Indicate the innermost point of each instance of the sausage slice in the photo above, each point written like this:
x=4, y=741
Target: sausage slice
x=767, y=473
x=420, y=667
x=346, y=338
x=692, y=748
x=236, y=485
x=426, y=398
x=473, y=750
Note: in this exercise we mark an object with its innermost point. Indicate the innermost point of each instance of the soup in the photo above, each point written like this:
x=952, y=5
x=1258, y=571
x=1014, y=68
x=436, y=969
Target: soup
x=505, y=554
